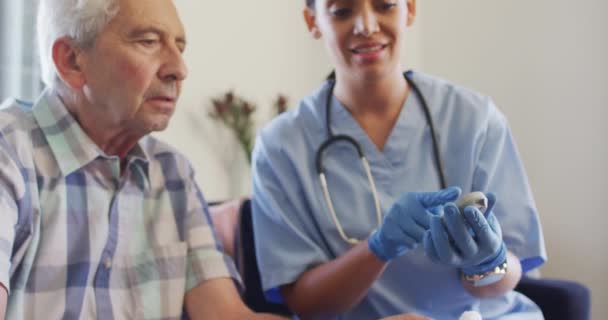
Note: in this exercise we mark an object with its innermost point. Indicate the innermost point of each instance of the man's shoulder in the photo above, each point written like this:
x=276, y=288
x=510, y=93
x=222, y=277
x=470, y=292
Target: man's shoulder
x=17, y=126
x=14, y=114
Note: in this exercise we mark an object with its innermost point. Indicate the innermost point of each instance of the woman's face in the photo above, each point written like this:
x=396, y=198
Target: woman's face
x=363, y=37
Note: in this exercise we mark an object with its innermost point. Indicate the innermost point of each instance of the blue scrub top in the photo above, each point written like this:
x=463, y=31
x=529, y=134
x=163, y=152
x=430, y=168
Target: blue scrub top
x=293, y=228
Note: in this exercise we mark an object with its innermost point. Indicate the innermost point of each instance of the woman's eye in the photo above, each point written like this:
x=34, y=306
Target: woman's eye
x=388, y=5
x=341, y=13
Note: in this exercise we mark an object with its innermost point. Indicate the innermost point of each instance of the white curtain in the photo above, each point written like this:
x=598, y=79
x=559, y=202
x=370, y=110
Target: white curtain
x=19, y=67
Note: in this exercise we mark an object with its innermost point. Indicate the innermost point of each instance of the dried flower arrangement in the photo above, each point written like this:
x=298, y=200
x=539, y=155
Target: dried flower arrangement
x=236, y=113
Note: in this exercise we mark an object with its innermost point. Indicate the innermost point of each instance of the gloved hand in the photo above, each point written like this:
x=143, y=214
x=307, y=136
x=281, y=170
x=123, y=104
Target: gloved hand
x=406, y=222
x=450, y=242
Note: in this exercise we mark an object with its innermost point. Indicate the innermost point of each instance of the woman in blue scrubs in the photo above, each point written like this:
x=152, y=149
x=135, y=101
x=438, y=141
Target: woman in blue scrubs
x=419, y=256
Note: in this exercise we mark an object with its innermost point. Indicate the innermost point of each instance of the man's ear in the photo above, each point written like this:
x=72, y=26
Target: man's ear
x=311, y=22
x=68, y=62
x=411, y=12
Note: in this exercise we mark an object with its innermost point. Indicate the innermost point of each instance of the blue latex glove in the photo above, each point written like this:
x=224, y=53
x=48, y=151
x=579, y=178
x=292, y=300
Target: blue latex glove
x=449, y=240
x=406, y=222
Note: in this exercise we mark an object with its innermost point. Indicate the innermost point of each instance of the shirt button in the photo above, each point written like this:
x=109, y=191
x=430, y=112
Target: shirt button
x=108, y=263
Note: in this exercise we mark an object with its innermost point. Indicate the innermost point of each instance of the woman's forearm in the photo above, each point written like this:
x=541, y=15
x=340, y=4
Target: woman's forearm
x=334, y=287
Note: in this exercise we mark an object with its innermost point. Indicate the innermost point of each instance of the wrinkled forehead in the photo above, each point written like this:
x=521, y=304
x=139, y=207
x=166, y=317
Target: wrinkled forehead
x=161, y=14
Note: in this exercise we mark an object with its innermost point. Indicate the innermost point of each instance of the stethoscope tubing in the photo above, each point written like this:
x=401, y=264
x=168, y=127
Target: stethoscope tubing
x=331, y=139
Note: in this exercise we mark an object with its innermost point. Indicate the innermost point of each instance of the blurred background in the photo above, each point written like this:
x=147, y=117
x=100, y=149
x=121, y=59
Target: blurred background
x=544, y=62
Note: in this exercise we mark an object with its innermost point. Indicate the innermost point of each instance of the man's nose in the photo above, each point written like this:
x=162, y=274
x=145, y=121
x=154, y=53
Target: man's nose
x=174, y=67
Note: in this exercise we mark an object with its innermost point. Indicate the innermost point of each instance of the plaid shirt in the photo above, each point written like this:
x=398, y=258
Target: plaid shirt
x=80, y=240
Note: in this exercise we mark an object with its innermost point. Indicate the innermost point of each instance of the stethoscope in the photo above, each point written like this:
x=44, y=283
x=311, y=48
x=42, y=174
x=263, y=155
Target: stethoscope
x=331, y=139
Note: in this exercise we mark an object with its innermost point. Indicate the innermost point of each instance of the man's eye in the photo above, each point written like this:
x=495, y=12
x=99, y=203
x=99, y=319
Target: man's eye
x=148, y=42
x=341, y=13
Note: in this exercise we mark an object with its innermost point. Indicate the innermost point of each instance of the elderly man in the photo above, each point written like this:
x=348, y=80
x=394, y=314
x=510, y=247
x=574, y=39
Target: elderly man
x=97, y=219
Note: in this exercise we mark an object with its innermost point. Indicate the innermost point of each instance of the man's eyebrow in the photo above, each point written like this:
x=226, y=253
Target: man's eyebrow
x=137, y=32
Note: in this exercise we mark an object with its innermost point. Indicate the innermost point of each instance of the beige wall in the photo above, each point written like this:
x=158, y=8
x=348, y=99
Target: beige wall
x=544, y=62
x=258, y=48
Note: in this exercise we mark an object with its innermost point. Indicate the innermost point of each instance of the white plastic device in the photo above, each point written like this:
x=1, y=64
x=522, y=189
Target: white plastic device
x=477, y=199
x=470, y=315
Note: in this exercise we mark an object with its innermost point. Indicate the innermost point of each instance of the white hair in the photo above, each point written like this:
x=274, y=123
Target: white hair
x=80, y=20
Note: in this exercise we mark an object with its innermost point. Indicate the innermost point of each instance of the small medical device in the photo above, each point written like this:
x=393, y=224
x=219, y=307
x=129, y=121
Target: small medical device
x=470, y=315
x=476, y=199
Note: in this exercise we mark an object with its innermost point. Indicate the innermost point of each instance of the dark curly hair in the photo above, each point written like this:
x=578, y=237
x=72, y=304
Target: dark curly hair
x=310, y=3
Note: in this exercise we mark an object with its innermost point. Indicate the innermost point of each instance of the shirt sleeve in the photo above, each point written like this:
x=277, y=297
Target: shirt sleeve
x=287, y=241
x=9, y=191
x=500, y=170
x=206, y=257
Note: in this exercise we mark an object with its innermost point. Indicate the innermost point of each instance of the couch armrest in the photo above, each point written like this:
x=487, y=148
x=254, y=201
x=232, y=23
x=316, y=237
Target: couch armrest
x=558, y=299
x=225, y=220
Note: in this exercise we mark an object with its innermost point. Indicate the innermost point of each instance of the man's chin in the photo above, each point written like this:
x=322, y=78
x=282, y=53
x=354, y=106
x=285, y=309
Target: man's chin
x=159, y=125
